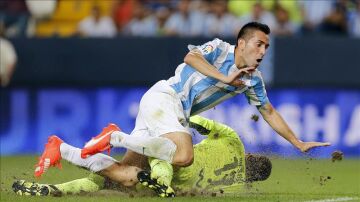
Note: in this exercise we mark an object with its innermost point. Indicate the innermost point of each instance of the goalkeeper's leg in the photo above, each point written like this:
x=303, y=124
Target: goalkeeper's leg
x=92, y=183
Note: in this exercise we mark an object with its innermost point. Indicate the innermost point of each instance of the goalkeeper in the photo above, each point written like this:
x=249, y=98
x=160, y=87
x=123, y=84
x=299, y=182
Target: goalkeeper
x=220, y=165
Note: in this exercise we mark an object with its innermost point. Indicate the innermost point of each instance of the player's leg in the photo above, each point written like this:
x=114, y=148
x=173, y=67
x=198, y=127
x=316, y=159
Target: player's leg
x=134, y=159
x=174, y=147
x=102, y=164
x=184, y=154
x=93, y=163
x=92, y=183
x=140, y=142
x=56, y=150
x=161, y=130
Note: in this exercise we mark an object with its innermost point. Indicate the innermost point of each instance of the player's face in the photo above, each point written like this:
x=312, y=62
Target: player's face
x=255, y=49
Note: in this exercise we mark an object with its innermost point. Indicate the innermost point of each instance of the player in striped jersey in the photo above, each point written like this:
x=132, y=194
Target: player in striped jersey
x=210, y=74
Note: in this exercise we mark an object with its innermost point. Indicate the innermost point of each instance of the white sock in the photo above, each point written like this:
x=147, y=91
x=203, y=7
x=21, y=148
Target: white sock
x=94, y=163
x=157, y=147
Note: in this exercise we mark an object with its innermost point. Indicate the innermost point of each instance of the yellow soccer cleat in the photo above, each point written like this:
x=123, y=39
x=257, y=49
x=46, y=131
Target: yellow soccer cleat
x=162, y=190
x=23, y=188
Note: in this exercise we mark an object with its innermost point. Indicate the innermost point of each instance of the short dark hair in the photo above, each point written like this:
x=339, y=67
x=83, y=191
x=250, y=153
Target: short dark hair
x=258, y=167
x=248, y=29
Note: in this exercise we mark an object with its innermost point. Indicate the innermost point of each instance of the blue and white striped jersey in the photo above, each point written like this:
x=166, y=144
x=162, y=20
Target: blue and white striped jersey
x=198, y=92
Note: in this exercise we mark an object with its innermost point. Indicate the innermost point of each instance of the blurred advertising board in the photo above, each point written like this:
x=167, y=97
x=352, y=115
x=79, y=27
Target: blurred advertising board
x=29, y=115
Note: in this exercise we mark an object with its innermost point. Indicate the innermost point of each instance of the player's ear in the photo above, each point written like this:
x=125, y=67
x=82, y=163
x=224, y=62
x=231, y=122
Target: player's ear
x=241, y=43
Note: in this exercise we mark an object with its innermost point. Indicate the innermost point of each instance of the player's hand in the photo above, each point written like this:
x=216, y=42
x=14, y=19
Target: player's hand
x=233, y=79
x=306, y=146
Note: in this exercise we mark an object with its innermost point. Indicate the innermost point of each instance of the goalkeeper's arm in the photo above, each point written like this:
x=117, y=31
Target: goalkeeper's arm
x=211, y=128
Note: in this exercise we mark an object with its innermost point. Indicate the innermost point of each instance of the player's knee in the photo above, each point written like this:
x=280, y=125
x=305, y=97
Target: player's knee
x=188, y=161
x=184, y=160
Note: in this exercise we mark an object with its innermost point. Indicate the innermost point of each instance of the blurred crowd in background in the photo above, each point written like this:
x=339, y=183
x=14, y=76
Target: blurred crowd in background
x=184, y=18
x=161, y=18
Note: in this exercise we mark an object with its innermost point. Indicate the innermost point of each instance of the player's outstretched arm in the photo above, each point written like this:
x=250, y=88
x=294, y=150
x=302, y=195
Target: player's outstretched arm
x=274, y=119
x=306, y=146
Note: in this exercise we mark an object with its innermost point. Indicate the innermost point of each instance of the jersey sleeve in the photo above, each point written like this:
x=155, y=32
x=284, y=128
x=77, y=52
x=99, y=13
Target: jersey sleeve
x=211, y=128
x=256, y=92
x=210, y=50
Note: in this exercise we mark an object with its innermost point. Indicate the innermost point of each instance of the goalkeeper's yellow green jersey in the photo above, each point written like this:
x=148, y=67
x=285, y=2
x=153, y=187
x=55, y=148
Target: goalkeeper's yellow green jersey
x=219, y=160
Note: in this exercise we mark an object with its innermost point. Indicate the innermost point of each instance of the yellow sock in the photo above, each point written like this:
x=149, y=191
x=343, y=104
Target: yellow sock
x=92, y=183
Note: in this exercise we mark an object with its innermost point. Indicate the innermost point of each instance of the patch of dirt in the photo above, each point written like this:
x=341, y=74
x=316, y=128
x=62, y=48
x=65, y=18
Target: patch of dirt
x=255, y=117
x=104, y=193
x=337, y=156
x=324, y=179
x=111, y=187
x=248, y=186
x=195, y=192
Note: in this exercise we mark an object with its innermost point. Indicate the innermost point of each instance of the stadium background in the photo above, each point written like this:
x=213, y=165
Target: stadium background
x=72, y=83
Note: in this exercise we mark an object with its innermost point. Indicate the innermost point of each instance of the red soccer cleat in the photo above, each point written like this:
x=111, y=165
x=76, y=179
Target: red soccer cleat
x=99, y=143
x=50, y=157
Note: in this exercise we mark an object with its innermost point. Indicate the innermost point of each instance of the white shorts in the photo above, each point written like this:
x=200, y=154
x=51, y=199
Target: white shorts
x=160, y=112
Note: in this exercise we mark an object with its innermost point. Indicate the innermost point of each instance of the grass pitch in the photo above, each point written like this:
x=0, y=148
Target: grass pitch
x=291, y=180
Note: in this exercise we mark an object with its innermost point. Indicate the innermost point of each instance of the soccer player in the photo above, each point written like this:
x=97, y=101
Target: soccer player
x=210, y=171
x=210, y=74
